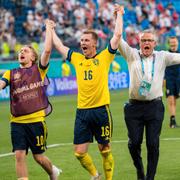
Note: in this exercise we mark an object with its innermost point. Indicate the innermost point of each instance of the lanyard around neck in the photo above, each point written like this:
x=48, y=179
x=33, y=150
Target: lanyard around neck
x=142, y=65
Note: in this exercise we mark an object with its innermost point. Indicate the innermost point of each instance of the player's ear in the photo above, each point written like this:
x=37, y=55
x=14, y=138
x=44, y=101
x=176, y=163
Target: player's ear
x=95, y=43
x=33, y=58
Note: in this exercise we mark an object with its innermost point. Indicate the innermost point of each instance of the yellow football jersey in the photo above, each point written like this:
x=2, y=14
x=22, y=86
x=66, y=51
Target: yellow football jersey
x=30, y=118
x=92, y=77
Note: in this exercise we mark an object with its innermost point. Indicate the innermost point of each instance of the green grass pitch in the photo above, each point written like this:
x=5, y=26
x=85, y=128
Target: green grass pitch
x=60, y=132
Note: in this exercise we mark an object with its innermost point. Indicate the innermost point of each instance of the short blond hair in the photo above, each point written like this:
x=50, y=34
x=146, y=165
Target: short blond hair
x=34, y=53
x=91, y=31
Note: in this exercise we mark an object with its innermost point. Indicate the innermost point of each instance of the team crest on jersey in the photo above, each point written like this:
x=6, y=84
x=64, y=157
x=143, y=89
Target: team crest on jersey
x=96, y=62
x=17, y=76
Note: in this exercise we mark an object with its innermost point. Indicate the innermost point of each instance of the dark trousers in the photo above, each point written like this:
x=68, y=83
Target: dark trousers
x=146, y=115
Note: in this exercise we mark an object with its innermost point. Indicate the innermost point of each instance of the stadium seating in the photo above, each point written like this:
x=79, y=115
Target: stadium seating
x=20, y=12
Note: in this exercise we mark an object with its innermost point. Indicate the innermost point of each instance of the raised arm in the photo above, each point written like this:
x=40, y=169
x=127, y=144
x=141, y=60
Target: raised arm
x=48, y=43
x=60, y=47
x=118, y=12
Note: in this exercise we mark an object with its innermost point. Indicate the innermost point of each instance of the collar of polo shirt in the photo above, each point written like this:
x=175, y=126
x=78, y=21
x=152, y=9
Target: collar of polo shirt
x=142, y=56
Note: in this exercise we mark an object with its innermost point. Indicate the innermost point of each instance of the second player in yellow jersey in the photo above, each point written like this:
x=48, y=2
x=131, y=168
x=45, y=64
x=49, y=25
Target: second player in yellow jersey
x=93, y=117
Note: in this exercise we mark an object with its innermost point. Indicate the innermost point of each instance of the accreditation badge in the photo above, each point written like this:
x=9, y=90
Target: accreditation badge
x=144, y=88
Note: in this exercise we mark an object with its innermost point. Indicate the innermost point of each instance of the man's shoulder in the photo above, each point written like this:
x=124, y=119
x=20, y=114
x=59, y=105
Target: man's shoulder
x=106, y=50
x=77, y=54
x=6, y=72
x=160, y=52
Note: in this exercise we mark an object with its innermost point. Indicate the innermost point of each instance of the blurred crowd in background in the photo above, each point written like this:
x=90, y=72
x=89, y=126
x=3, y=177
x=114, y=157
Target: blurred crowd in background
x=21, y=21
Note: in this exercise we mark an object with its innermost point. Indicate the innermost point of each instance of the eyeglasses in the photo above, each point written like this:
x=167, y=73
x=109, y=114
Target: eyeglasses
x=147, y=40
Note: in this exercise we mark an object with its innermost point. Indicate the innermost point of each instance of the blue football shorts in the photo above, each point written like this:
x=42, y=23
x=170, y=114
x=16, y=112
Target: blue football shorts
x=93, y=122
x=172, y=87
x=29, y=135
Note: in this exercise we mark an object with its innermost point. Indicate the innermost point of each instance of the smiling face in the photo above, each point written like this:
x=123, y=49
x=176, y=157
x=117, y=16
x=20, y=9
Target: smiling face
x=173, y=44
x=88, y=44
x=147, y=43
x=27, y=56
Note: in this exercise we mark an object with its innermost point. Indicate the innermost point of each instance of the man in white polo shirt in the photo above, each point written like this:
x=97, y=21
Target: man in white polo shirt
x=145, y=109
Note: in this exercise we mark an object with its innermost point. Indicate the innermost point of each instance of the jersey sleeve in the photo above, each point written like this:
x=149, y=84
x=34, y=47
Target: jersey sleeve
x=6, y=77
x=43, y=70
x=112, y=51
x=108, y=54
x=69, y=55
x=74, y=57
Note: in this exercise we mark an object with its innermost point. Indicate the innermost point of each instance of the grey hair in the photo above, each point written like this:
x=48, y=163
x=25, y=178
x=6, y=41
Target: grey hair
x=150, y=31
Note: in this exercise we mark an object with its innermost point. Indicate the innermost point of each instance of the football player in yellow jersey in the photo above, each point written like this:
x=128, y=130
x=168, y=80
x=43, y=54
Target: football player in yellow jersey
x=28, y=104
x=93, y=117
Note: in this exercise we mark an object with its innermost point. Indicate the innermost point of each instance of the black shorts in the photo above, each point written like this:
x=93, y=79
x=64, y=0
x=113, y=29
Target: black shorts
x=93, y=122
x=30, y=135
x=172, y=87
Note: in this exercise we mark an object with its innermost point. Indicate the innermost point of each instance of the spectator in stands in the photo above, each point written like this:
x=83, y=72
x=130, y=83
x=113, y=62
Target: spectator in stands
x=116, y=66
x=172, y=78
x=29, y=106
x=95, y=13
x=65, y=69
x=131, y=36
x=5, y=49
x=93, y=117
x=177, y=29
x=79, y=14
x=33, y=25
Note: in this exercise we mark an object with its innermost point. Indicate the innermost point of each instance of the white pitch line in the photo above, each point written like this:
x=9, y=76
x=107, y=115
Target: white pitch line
x=68, y=144
x=6, y=154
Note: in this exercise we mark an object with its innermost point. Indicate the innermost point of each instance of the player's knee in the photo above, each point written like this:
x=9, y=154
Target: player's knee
x=20, y=156
x=106, y=153
x=104, y=147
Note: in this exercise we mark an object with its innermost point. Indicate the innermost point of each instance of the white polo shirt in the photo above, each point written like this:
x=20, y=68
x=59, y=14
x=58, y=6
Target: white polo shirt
x=161, y=60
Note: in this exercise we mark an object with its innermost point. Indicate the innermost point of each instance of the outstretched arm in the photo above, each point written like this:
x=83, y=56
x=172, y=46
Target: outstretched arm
x=48, y=43
x=118, y=12
x=61, y=48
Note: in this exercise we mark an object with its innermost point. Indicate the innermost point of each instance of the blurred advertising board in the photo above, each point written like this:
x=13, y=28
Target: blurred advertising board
x=67, y=85
x=63, y=78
